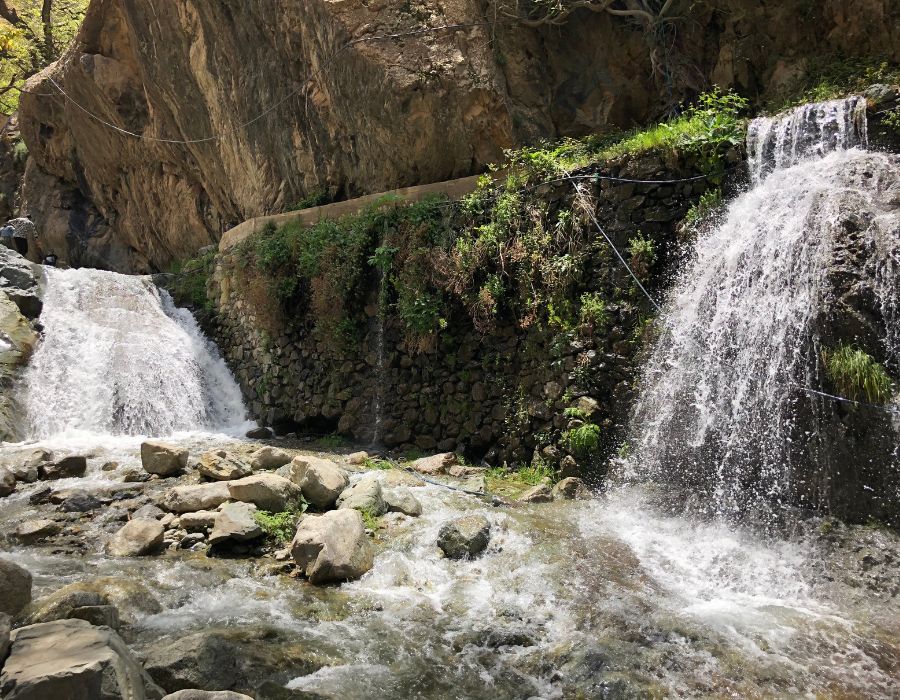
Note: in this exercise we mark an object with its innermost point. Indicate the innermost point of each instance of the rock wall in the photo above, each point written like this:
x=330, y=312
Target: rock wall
x=242, y=109
x=501, y=395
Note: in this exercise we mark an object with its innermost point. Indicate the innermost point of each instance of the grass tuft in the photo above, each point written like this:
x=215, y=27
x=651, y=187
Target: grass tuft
x=856, y=375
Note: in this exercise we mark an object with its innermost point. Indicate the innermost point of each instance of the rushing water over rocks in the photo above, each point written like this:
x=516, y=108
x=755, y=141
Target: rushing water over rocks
x=119, y=359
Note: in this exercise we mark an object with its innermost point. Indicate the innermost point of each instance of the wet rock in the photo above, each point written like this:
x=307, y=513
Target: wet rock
x=465, y=537
x=267, y=491
x=163, y=459
x=100, y=615
x=131, y=598
x=260, y=434
x=570, y=489
x=357, y=458
x=461, y=471
x=72, y=659
x=148, y=512
x=205, y=660
x=332, y=546
x=218, y=465
x=235, y=522
x=27, y=473
x=537, y=494
x=392, y=478
x=66, y=468
x=320, y=480
x=200, y=521
x=137, y=538
x=269, y=458
x=5, y=628
x=32, y=531
x=206, y=695
x=189, y=499
x=568, y=467
x=7, y=482
x=134, y=475
x=41, y=495
x=15, y=588
x=80, y=502
x=402, y=501
x=364, y=495
x=109, y=466
x=435, y=464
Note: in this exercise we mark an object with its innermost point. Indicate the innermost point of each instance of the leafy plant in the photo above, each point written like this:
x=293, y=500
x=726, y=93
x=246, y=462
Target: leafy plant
x=282, y=526
x=583, y=441
x=643, y=255
x=856, y=375
x=709, y=203
x=593, y=313
x=378, y=464
x=371, y=521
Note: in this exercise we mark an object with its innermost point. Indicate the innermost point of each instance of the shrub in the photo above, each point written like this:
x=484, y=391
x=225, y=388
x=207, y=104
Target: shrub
x=282, y=526
x=316, y=198
x=593, y=312
x=643, y=255
x=709, y=203
x=856, y=375
x=584, y=441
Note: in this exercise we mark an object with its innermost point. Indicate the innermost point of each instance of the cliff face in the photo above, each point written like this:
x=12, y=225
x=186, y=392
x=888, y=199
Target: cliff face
x=275, y=102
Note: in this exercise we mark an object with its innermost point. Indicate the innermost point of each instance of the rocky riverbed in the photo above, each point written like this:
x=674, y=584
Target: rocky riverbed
x=421, y=587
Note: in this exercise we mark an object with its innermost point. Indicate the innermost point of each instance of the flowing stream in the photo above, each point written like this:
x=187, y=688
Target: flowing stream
x=610, y=598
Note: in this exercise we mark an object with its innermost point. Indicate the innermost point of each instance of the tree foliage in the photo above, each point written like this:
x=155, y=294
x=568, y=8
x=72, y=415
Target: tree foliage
x=33, y=34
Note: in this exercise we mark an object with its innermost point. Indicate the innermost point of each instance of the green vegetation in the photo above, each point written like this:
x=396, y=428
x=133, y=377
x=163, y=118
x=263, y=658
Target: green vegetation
x=593, y=314
x=831, y=77
x=33, y=34
x=19, y=151
x=371, y=521
x=189, y=285
x=280, y=527
x=332, y=442
x=709, y=203
x=513, y=482
x=381, y=464
x=316, y=198
x=643, y=255
x=584, y=441
x=856, y=375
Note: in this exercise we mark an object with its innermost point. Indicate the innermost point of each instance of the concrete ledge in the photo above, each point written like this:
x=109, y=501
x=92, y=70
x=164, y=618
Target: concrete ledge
x=307, y=217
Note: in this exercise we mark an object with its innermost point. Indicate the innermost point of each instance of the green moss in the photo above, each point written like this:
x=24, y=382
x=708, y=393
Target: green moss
x=856, y=375
x=190, y=278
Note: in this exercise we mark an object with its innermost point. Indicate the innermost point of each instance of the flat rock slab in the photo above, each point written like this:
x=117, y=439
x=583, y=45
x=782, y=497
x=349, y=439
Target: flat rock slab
x=235, y=522
x=218, y=465
x=163, y=459
x=32, y=531
x=137, y=538
x=269, y=458
x=435, y=464
x=189, y=499
x=266, y=491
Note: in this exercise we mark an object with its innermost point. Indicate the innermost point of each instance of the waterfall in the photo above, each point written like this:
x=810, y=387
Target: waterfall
x=719, y=400
x=118, y=358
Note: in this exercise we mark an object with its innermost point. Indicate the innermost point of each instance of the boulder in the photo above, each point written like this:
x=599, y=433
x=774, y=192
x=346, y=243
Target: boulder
x=269, y=458
x=332, y=546
x=392, y=478
x=15, y=588
x=206, y=695
x=7, y=482
x=570, y=489
x=200, y=521
x=260, y=433
x=72, y=660
x=235, y=522
x=364, y=495
x=148, y=512
x=100, y=615
x=31, y=531
x=357, y=458
x=465, y=537
x=537, y=494
x=267, y=491
x=189, y=499
x=5, y=628
x=131, y=598
x=402, y=501
x=204, y=660
x=163, y=459
x=218, y=465
x=136, y=538
x=78, y=501
x=320, y=480
x=24, y=472
x=66, y=468
x=435, y=464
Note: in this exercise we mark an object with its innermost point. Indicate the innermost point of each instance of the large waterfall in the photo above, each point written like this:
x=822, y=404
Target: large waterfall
x=118, y=358
x=727, y=379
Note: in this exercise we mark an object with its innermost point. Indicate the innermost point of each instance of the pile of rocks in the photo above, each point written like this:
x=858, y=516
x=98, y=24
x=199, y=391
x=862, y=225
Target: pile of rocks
x=40, y=465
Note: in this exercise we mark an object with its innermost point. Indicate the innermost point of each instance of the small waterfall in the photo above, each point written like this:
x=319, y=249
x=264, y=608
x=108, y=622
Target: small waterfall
x=119, y=359
x=808, y=131
x=719, y=395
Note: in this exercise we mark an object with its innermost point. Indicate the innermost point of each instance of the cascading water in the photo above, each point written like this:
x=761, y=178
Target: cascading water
x=118, y=358
x=719, y=401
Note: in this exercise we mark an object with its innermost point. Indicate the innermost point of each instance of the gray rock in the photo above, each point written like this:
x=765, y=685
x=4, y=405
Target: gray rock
x=235, y=522
x=200, y=521
x=218, y=465
x=131, y=598
x=364, y=495
x=332, y=546
x=15, y=590
x=570, y=489
x=20, y=281
x=5, y=628
x=148, y=512
x=392, y=478
x=189, y=499
x=72, y=660
x=269, y=458
x=66, y=468
x=80, y=502
x=320, y=480
x=204, y=660
x=206, y=695
x=267, y=491
x=32, y=531
x=537, y=494
x=100, y=615
x=465, y=537
x=260, y=433
x=7, y=482
x=136, y=538
x=402, y=501
x=163, y=459
x=435, y=464
x=27, y=473
x=357, y=458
